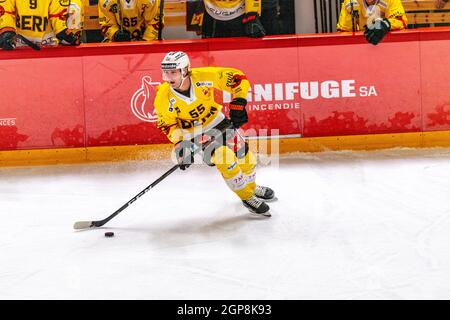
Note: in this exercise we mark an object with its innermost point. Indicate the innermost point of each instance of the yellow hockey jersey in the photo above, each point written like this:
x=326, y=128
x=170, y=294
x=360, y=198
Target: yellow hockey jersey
x=179, y=116
x=225, y=10
x=37, y=20
x=139, y=17
x=391, y=9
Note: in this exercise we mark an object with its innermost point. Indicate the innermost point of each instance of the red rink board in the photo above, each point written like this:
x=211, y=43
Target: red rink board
x=309, y=85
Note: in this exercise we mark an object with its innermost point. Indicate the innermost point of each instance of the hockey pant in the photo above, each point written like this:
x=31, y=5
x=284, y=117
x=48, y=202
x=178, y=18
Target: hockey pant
x=238, y=173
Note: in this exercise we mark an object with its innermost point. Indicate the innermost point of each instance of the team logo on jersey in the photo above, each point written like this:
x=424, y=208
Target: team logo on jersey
x=142, y=100
x=114, y=8
x=206, y=92
x=64, y=3
x=225, y=14
x=234, y=80
x=171, y=103
x=233, y=165
x=203, y=84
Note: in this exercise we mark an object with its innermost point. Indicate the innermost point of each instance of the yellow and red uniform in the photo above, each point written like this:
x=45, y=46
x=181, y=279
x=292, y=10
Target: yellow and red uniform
x=139, y=17
x=181, y=117
x=390, y=9
x=37, y=20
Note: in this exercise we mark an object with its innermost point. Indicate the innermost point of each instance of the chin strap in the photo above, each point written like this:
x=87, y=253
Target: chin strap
x=182, y=82
x=185, y=76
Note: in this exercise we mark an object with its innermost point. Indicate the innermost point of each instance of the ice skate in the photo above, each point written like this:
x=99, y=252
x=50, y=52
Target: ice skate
x=257, y=206
x=265, y=193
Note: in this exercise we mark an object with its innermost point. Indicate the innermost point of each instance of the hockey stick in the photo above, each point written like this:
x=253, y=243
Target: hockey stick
x=161, y=17
x=29, y=43
x=92, y=224
x=353, y=17
x=119, y=11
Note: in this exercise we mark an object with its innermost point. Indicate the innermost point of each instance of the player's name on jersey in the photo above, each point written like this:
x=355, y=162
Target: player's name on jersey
x=32, y=23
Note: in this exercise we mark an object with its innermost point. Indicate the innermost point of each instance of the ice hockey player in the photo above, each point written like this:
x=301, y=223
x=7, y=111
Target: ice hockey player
x=232, y=18
x=123, y=20
x=375, y=17
x=43, y=22
x=186, y=109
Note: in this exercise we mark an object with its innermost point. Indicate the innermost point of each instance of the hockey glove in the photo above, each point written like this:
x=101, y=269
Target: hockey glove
x=67, y=38
x=252, y=25
x=375, y=33
x=238, y=114
x=184, y=152
x=7, y=40
x=122, y=36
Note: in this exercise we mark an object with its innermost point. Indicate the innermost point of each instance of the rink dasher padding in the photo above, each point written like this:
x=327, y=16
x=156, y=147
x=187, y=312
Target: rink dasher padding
x=94, y=102
x=38, y=157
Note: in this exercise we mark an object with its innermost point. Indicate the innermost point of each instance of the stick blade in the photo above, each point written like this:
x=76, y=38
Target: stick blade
x=83, y=225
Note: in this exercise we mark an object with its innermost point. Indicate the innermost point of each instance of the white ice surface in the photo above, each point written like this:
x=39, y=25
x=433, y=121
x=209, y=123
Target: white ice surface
x=347, y=225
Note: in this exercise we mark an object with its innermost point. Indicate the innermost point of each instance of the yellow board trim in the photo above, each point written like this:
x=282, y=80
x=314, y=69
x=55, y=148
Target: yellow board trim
x=38, y=157
x=285, y=145
x=365, y=142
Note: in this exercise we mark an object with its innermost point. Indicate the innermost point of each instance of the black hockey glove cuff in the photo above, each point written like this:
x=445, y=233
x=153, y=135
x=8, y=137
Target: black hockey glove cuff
x=67, y=38
x=376, y=32
x=252, y=25
x=8, y=40
x=122, y=36
x=184, y=152
x=238, y=114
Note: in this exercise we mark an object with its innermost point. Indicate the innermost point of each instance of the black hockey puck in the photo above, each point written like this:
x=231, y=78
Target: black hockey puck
x=109, y=234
